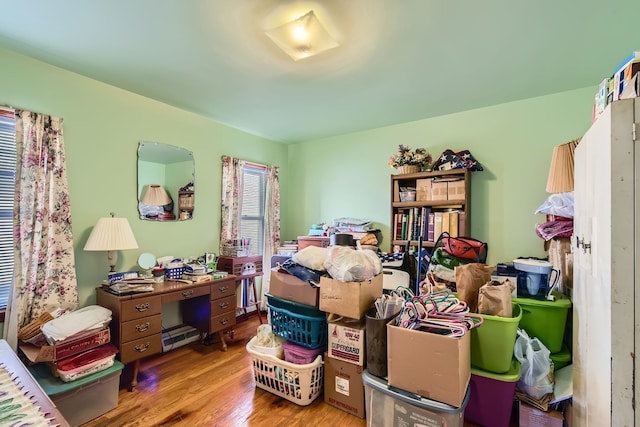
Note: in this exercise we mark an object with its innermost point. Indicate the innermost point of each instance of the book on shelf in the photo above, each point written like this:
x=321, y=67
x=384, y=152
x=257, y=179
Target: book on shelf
x=437, y=225
x=446, y=222
x=454, y=223
x=430, y=227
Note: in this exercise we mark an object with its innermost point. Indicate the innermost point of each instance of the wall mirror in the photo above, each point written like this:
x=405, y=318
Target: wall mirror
x=166, y=178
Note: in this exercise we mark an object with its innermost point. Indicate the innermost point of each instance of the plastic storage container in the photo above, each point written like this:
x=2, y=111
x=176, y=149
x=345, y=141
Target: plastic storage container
x=389, y=407
x=545, y=320
x=301, y=324
x=300, y=355
x=491, y=396
x=300, y=384
x=84, y=399
x=492, y=343
x=561, y=358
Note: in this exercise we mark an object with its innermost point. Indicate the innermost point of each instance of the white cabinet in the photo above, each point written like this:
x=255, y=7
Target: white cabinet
x=606, y=313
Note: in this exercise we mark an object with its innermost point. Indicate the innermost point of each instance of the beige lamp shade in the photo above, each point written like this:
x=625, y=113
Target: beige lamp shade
x=111, y=234
x=303, y=37
x=156, y=196
x=560, y=178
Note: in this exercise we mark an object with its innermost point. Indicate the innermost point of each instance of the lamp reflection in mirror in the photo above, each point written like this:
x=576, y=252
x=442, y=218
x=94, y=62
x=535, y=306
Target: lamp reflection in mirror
x=111, y=234
x=303, y=37
x=156, y=195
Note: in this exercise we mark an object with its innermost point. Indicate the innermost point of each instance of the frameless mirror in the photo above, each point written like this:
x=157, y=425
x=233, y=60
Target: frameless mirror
x=166, y=178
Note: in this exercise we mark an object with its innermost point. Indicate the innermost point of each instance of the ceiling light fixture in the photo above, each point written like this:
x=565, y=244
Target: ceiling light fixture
x=303, y=37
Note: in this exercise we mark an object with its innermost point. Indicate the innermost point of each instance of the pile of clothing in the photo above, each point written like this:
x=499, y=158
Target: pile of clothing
x=80, y=327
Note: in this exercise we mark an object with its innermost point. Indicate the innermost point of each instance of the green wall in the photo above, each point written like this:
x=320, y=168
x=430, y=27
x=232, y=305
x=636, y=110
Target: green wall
x=102, y=128
x=348, y=175
x=343, y=176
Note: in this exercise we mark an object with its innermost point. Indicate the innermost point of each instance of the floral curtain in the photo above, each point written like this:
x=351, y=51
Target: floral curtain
x=44, y=271
x=231, y=197
x=271, y=227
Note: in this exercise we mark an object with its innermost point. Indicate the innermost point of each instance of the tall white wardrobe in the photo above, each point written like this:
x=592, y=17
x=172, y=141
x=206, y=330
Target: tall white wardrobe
x=606, y=306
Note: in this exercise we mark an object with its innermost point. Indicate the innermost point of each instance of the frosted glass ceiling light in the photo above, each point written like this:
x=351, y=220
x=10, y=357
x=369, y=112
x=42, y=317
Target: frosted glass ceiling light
x=303, y=37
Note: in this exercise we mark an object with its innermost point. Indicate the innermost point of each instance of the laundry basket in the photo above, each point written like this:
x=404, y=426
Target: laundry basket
x=300, y=384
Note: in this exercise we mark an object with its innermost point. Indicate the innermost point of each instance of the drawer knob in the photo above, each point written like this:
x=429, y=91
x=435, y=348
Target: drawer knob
x=142, y=347
x=187, y=293
x=224, y=321
x=143, y=307
x=142, y=328
x=223, y=305
x=223, y=289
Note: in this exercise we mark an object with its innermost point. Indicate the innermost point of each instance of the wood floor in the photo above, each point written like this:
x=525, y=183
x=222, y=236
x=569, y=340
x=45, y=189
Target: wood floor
x=200, y=385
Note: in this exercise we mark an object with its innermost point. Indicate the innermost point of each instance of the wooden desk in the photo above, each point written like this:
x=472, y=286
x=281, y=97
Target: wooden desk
x=136, y=324
x=28, y=385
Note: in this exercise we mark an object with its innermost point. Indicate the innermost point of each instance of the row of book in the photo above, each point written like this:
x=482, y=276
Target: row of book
x=427, y=224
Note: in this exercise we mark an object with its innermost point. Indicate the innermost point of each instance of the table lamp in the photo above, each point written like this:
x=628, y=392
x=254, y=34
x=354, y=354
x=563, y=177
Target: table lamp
x=111, y=234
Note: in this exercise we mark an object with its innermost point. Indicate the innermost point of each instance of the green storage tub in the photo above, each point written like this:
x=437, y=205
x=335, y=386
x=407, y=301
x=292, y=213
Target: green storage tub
x=561, y=358
x=492, y=342
x=545, y=320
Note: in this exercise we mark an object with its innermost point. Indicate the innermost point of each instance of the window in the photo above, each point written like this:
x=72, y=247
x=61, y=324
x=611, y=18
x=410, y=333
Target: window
x=7, y=190
x=252, y=215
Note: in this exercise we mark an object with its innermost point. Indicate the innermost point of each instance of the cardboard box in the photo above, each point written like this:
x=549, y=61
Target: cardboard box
x=456, y=190
x=423, y=189
x=343, y=386
x=66, y=348
x=289, y=287
x=349, y=299
x=346, y=339
x=439, y=190
x=431, y=365
x=532, y=417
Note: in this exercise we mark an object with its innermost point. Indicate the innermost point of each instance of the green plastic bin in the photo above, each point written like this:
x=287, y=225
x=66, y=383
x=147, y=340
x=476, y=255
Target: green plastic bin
x=561, y=358
x=492, y=342
x=545, y=320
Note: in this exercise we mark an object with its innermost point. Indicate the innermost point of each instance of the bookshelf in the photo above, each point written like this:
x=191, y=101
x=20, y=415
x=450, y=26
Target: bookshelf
x=442, y=203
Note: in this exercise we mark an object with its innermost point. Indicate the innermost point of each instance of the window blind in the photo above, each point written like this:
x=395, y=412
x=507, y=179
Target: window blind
x=252, y=216
x=7, y=190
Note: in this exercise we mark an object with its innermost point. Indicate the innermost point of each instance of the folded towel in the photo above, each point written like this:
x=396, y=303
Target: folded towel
x=68, y=324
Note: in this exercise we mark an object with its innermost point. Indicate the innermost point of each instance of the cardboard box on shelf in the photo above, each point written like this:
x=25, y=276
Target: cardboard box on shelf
x=349, y=299
x=439, y=190
x=456, y=190
x=423, y=189
x=65, y=348
x=289, y=287
x=442, y=371
x=343, y=386
x=346, y=339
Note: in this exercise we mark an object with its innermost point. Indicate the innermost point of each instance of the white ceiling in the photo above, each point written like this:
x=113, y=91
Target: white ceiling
x=398, y=60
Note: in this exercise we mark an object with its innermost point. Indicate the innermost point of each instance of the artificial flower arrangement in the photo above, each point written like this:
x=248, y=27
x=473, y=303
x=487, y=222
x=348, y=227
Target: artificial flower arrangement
x=405, y=157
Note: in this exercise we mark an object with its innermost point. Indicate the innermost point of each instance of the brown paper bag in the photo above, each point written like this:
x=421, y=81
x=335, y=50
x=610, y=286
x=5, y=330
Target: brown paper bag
x=469, y=279
x=494, y=298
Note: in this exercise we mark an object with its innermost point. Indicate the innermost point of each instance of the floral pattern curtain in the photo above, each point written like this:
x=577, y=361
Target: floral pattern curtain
x=271, y=227
x=231, y=197
x=44, y=271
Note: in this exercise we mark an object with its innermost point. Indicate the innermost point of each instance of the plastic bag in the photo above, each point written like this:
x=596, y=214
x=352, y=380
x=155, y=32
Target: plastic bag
x=536, y=378
x=349, y=265
x=559, y=204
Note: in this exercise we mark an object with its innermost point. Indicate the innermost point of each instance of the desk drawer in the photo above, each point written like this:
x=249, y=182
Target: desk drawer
x=139, y=328
x=222, y=305
x=143, y=347
x=141, y=307
x=222, y=321
x=223, y=289
x=184, y=294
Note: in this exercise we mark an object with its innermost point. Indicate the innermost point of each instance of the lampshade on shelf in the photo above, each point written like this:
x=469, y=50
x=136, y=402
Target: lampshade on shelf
x=303, y=37
x=156, y=195
x=111, y=234
x=560, y=178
